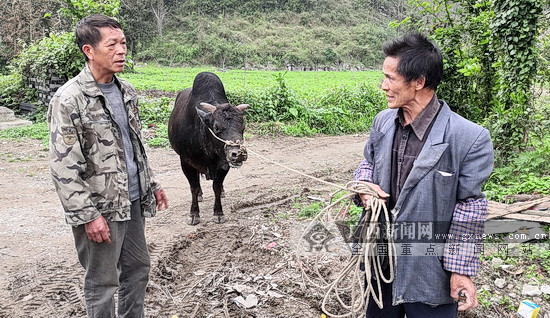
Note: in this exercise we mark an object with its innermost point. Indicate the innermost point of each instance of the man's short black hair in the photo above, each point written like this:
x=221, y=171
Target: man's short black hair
x=418, y=57
x=87, y=30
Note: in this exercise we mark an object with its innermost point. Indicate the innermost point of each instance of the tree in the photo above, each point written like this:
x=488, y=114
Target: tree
x=77, y=10
x=160, y=11
x=25, y=21
x=489, y=47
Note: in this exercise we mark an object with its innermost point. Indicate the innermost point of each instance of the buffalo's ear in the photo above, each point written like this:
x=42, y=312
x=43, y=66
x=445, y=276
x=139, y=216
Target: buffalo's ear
x=206, y=116
x=242, y=107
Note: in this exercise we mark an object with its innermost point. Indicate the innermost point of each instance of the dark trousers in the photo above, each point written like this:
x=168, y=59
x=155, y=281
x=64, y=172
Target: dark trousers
x=122, y=265
x=412, y=310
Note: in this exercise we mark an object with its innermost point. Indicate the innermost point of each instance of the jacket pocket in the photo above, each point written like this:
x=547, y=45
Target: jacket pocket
x=99, y=148
x=444, y=177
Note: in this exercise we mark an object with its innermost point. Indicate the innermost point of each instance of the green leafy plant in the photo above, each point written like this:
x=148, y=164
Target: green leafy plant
x=155, y=110
x=13, y=90
x=161, y=137
x=54, y=55
x=491, y=60
x=76, y=10
x=525, y=172
x=310, y=210
x=484, y=298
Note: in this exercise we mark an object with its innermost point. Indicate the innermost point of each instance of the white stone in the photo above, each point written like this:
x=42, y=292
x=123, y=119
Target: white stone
x=545, y=289
x=500, y=282
x=531, y=290
x=250, y=301
x=6, y=114
x=496, y=262
x=8, y=119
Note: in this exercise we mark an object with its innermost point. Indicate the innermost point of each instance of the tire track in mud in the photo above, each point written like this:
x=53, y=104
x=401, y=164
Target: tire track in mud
x=50, y=291
x=203, y=272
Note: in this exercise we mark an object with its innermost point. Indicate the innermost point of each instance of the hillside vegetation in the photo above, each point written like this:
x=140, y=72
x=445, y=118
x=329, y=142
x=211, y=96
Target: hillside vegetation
x=308, y=34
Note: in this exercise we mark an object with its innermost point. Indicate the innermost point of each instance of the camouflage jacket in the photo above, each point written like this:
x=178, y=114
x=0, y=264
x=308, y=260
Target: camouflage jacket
x=87, y=156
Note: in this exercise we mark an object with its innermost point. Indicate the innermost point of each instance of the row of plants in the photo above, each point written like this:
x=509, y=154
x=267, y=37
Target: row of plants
x=279, y=109
x=308, y=85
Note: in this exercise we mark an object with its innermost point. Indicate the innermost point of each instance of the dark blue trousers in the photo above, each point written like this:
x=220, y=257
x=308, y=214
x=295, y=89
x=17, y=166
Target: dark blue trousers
x=412, y=310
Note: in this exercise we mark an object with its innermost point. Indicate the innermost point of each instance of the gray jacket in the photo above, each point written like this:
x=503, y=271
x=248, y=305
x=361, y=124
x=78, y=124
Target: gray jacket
x=454, y=162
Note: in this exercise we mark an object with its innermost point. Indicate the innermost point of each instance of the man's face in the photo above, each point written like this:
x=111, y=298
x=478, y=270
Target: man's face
x=109, y=55
x=398, y=91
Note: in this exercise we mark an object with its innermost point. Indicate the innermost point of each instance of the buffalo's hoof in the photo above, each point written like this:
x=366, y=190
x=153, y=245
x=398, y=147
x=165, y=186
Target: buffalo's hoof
x=194, y=220
x=219, y=219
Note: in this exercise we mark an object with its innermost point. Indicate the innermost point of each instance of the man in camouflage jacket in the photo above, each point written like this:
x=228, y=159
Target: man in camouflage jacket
x=94, y=132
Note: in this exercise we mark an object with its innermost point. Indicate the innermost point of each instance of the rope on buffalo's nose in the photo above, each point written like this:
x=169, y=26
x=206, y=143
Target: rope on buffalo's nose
x=229, y=143
x=226, y=142
x=359, y=286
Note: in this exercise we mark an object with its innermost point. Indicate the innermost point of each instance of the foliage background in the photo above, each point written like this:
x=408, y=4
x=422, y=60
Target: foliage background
x=496, y=60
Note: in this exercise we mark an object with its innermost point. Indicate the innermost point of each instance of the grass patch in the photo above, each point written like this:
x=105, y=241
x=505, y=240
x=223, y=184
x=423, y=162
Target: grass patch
x=527, y=172
x=37, y=131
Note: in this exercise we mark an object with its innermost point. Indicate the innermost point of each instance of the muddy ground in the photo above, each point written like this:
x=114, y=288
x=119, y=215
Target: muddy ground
x=197, y=270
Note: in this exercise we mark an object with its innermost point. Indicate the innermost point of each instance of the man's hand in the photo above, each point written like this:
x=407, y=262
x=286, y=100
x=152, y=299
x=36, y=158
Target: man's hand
x=162, y=200
x=366, y=197
x=98, y=230
x=463, y=283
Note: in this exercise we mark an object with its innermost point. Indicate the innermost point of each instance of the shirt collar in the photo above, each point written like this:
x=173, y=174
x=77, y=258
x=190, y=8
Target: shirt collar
x=89, y=85
x=421, y=123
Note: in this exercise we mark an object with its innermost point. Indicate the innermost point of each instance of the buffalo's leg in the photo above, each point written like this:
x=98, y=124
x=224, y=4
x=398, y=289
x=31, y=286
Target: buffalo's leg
x=218, y=190
x=194, y=183
x=199, y=197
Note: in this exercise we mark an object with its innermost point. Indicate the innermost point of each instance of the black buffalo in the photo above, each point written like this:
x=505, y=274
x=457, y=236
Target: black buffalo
x=200, y=112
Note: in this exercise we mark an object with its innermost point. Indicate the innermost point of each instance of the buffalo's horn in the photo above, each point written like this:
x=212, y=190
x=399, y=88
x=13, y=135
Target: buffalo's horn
x=208, y=107
x=242, y=107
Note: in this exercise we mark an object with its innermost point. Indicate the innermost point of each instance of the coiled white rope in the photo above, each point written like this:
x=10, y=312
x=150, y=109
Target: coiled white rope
x=351, y=283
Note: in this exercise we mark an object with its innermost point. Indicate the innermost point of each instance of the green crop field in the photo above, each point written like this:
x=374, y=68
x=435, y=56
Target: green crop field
x=306, y=84
x=300, y=103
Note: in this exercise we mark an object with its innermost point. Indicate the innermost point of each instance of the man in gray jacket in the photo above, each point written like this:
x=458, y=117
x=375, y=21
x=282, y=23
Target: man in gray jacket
x=101, y=174
x=429, y=164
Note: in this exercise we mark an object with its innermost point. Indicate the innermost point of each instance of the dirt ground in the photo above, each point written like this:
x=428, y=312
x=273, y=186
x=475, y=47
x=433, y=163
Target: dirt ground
x=196, y=270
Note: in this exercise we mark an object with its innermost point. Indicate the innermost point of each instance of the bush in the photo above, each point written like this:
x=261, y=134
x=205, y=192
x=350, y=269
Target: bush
x=57, y=55
x=347, y=109
x=526, y=172
x=155, y=111
x=276, y=103
x=13, y=91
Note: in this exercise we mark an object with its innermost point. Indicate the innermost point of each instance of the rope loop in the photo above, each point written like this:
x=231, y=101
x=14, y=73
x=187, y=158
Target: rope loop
x=362, y=275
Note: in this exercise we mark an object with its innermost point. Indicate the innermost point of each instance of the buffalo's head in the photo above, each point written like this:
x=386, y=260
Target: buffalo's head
x=227, y=123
